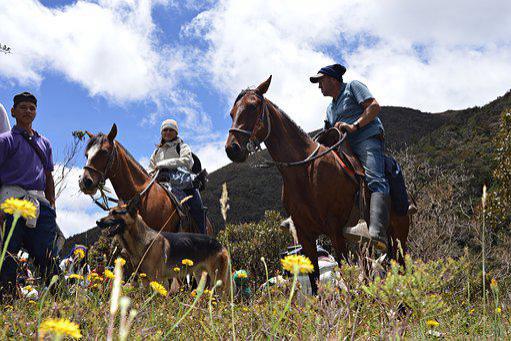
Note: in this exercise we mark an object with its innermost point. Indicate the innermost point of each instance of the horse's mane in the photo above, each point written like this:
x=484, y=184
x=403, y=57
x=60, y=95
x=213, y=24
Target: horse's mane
x=100, y=138
x=298, y=128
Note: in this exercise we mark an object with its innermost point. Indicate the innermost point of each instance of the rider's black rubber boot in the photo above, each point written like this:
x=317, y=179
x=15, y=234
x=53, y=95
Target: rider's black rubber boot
x=379, y=214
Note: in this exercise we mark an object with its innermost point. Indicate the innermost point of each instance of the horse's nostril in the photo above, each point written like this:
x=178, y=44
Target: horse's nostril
x=87, y=182
x=235, y=147
x=232, y=150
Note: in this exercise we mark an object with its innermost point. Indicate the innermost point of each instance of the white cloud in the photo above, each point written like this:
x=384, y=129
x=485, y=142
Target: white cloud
x=106, y=46
x=212, y=155
x=431, y=56
x=76, y=212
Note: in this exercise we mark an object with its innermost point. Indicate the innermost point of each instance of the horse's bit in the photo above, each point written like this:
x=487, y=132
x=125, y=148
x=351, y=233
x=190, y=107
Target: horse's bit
x=253, y=143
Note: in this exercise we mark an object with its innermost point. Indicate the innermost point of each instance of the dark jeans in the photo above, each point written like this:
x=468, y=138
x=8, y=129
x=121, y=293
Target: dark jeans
x=197, y=210
x=38, y=241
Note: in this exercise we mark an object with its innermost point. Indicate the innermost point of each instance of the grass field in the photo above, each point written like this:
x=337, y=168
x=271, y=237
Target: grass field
x=440, y=298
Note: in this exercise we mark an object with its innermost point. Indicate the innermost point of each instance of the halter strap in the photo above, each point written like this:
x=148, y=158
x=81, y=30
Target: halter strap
x=253, y=143
x=109, y=164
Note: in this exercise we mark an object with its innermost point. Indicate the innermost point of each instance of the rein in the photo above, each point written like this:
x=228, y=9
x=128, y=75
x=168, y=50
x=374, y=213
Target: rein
x=313, y=155
x=253, y=144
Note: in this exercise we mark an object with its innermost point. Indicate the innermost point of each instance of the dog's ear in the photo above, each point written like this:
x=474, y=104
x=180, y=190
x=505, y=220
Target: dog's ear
x=134, y=205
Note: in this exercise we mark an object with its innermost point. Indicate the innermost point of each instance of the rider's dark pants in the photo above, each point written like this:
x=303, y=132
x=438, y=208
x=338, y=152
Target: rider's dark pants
x=197, y=210
x=40, y=242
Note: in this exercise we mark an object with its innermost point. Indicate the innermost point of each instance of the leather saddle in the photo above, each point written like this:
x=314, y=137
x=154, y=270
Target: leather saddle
x=329, y=137
x=185, y=218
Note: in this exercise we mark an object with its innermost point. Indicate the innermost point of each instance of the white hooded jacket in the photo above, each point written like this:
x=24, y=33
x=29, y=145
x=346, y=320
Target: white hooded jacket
x=167, y=156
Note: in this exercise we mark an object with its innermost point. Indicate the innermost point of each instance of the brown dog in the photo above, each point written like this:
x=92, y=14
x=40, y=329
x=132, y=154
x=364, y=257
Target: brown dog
x=158, y=254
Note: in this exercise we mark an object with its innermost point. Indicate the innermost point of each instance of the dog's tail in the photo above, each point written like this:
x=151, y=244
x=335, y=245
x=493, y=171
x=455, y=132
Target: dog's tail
x=223, y=271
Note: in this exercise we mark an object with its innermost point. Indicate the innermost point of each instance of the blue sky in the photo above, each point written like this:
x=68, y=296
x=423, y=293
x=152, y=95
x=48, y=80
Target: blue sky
x=136, y=62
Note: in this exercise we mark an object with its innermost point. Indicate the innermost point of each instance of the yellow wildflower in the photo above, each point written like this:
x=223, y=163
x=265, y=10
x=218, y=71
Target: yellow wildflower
x=297, y=264
x=109, y=274
x=160, y=289
x=75, y=276
x=493, y=284
x=142, y=275
x=187, y=262
x=242, y=274
x=8, y=306
x=32, y=302
x=176, y=269
x=93, y=276
x=498, y=310
x=194, y=293
x=471, y=311
x=28, y=288
x=245, y=309
x=80, y=253
x=432, y=323
x=120, y=260
x=18, y=207
x=61, y=327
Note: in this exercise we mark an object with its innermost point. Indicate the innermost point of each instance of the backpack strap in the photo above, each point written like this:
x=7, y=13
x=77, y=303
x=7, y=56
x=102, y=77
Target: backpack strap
x=36, y=148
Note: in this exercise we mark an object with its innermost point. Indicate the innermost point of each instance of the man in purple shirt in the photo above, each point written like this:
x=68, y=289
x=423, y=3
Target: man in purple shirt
x=26, y=167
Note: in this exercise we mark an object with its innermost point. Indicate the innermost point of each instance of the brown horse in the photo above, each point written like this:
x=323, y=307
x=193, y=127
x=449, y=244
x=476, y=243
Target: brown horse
x=318, y=195
x=108, y=159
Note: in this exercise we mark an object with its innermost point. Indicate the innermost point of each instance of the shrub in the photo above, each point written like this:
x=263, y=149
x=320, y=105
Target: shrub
x=248, y=242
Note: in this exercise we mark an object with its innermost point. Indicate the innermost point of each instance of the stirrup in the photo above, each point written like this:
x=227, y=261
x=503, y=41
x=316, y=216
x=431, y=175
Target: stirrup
x=360, y=233
x=357, y=233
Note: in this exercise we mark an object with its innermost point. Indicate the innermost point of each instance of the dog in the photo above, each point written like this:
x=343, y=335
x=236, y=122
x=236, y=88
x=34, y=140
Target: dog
x=159, y=254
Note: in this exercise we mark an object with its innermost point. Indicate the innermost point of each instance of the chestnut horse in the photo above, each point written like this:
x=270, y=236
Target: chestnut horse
x=318, y=195
x=108, y=159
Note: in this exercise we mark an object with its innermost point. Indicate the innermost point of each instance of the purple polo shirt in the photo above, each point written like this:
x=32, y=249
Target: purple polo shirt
x=19, y=163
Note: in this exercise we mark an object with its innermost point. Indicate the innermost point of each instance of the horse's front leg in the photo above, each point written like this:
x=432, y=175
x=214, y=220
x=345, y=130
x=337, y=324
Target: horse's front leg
x=308, y=243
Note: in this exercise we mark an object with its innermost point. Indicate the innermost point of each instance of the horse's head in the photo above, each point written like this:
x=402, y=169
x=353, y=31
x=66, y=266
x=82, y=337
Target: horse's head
x=100, y=153
x=248, y=123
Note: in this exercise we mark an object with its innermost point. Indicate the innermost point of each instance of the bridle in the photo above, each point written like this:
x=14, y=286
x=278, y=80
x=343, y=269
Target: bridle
x=254, y=144
x=111, y=157
x=101, y=185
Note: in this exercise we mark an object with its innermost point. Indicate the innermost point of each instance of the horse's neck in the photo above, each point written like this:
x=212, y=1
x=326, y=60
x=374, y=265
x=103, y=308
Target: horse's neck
x=128, y=179
x=137, y=238
x=287, y=142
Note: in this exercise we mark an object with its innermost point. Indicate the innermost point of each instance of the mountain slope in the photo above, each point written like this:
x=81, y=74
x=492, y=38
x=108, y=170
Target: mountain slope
x=450, y=139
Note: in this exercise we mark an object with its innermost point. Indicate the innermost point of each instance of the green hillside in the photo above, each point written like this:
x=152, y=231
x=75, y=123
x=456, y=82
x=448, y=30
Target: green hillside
x=452, y=140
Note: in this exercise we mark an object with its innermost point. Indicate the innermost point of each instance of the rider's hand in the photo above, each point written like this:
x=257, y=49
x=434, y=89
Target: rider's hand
x=349, y=128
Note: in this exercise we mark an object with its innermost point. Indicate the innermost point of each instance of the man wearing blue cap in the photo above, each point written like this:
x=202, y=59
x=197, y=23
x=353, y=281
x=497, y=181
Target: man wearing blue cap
x=355, y=110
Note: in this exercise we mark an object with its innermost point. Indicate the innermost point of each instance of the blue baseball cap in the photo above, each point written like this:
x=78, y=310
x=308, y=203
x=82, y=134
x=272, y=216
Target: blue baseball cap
x=336, y=71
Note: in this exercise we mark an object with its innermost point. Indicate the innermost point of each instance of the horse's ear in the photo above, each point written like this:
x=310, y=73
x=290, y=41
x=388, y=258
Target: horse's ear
x=89, y=134
x=113, y=133
x=263, y=87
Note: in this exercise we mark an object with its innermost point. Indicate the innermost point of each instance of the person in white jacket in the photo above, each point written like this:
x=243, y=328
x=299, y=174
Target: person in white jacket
x=173, y=158
x=4, y=120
